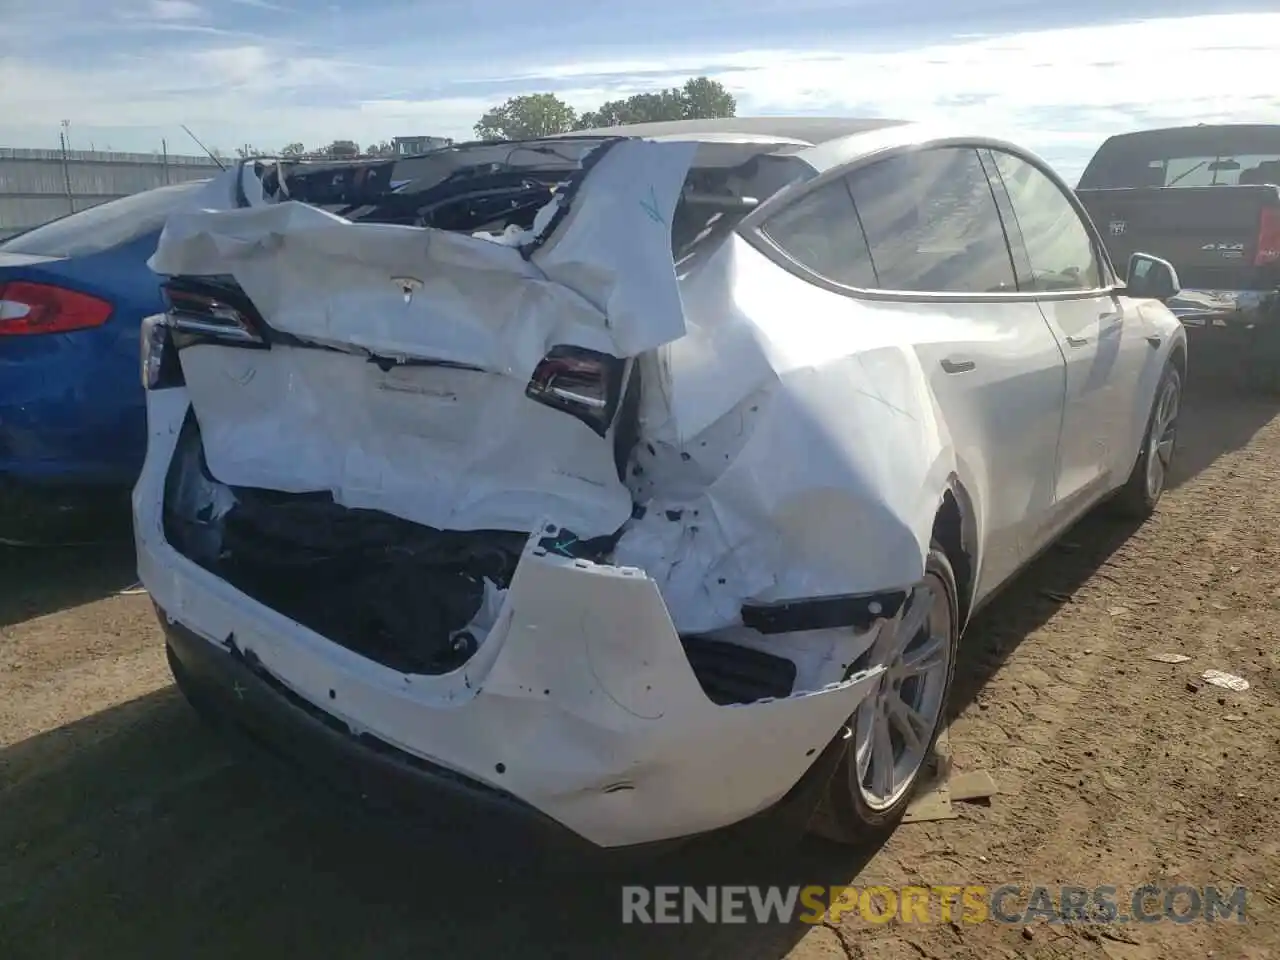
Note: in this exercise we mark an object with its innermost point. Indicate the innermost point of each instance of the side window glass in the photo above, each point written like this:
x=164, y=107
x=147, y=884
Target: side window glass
x=932, y=224
x=822, y=233
x=1058, y=243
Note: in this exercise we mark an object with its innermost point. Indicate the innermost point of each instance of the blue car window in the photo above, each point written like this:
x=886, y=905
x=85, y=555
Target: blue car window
x=103, y=226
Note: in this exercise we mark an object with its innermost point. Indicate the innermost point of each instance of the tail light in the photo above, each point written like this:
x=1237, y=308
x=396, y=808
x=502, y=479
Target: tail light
x=159, y=361
x=583, y=383
x=210, y=310
x=1268, y=237
x=29, y=308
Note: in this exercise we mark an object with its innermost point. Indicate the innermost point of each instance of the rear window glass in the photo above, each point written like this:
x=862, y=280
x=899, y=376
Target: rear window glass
x=1220, y=170
x=821, y=231
x=99, y=228
x=1198, y=157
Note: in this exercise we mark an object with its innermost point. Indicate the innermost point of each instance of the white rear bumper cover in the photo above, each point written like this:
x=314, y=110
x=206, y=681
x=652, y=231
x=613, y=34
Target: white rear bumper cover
x=581, y=702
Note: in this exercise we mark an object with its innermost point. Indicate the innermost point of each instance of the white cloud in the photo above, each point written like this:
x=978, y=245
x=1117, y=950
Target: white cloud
x=1059, y=91
x=176, y=10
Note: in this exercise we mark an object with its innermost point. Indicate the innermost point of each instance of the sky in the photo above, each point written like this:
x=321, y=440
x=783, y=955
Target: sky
x=1058, y=78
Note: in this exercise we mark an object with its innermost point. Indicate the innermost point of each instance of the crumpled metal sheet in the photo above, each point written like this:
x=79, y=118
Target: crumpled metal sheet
x=778, y=463
x=446, y=448
x=777, y=459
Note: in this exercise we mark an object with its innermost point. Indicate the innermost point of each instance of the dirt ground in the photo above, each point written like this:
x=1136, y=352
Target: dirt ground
x=128, y=830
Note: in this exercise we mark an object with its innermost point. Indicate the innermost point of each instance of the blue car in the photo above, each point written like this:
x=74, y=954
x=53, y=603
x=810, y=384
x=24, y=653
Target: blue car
x=73, y=293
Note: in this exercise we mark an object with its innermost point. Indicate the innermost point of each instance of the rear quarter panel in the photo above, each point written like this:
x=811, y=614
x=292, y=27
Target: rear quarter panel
x=71, y=405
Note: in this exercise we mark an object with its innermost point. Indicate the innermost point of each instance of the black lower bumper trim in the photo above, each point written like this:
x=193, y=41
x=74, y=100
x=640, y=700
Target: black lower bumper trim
x=233, y=692
x=227, y=689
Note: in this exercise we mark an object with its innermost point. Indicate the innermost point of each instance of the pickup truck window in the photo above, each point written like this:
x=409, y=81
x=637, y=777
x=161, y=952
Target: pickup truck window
x=1059, y=245
x=1219, y=171
x=1200, y=156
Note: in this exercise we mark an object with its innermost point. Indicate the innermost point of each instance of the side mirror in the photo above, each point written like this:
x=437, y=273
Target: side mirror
x=1151, y=278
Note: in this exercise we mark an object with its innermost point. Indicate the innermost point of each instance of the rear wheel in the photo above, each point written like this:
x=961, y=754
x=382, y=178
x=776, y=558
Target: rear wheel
x=894, y=729
x=1137, y=499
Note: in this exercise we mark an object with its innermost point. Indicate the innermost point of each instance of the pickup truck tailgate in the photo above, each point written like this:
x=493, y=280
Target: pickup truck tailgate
x=1209, y=234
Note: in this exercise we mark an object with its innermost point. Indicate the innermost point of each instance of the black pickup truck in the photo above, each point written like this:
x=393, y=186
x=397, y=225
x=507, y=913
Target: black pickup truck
x=1206, y=199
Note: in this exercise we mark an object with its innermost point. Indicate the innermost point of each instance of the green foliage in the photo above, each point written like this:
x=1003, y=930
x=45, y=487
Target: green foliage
x=700, y=97
x=526, y=117
x=543, y=114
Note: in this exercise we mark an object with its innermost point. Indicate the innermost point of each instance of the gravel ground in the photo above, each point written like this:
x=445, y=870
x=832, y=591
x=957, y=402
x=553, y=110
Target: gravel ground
x=128, y=830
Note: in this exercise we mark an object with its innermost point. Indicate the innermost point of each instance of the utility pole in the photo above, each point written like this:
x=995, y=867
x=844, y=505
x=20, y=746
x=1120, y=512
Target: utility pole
x=66, y=171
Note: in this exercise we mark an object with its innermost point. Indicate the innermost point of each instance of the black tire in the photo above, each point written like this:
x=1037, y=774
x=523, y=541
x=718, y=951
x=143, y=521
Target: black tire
x=1137, y=499
x=1260, y=355
x=843, y=815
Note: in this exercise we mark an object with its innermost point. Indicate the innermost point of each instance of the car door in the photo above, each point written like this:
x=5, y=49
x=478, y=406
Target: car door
x=924, y=233
x=1101, y=335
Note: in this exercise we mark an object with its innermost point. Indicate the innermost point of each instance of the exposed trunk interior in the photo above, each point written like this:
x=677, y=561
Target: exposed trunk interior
x=401, y=594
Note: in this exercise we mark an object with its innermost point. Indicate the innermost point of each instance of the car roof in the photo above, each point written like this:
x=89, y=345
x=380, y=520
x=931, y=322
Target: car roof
x=810, y=131
x=822, y=142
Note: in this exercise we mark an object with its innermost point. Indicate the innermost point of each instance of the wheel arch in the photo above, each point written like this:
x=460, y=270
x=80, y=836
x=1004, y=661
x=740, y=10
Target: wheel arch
x=1178, y=357
x=955, y=530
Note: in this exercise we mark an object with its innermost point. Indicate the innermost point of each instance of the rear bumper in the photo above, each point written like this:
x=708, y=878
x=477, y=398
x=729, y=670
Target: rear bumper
x=266, y=719
x=264, y=716
x=71, y=407
x=581, y=703
x=1226, y=308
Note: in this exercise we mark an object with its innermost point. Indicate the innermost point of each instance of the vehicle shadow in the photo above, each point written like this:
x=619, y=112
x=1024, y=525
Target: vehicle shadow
x=137, y=832
x=1218, y=416
x=154, y=839
x=38, y=580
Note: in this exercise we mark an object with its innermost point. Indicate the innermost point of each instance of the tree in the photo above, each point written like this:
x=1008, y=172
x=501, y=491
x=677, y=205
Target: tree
x=704, y=97
x=341, y=149
x=526, y=117
x=293, y=150
x=700, y=97
x=247, y=150
x=383, y=149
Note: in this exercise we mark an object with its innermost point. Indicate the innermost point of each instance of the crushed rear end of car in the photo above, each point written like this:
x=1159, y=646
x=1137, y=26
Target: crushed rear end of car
x=432, y=483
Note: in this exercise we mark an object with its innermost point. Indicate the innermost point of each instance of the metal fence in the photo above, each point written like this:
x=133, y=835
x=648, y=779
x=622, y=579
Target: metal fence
x=37, y=186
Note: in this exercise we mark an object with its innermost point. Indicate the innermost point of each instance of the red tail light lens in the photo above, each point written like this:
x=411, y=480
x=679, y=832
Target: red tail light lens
x=1268, y=237
x=583, y=383
x=30, y=308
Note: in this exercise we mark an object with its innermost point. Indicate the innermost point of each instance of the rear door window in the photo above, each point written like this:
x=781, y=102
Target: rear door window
x=931, y=223
x=99, y=228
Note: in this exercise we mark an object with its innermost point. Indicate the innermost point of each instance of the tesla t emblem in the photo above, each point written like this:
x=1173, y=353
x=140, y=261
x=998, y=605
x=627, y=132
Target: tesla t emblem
x=408, y=286
x=1118, y=227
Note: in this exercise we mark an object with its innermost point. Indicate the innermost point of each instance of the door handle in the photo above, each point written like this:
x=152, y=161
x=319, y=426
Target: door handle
x=1077, y=341
x=957, y=366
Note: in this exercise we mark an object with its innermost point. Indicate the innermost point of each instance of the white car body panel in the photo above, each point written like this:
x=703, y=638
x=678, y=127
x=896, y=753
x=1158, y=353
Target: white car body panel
x=795, y=443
